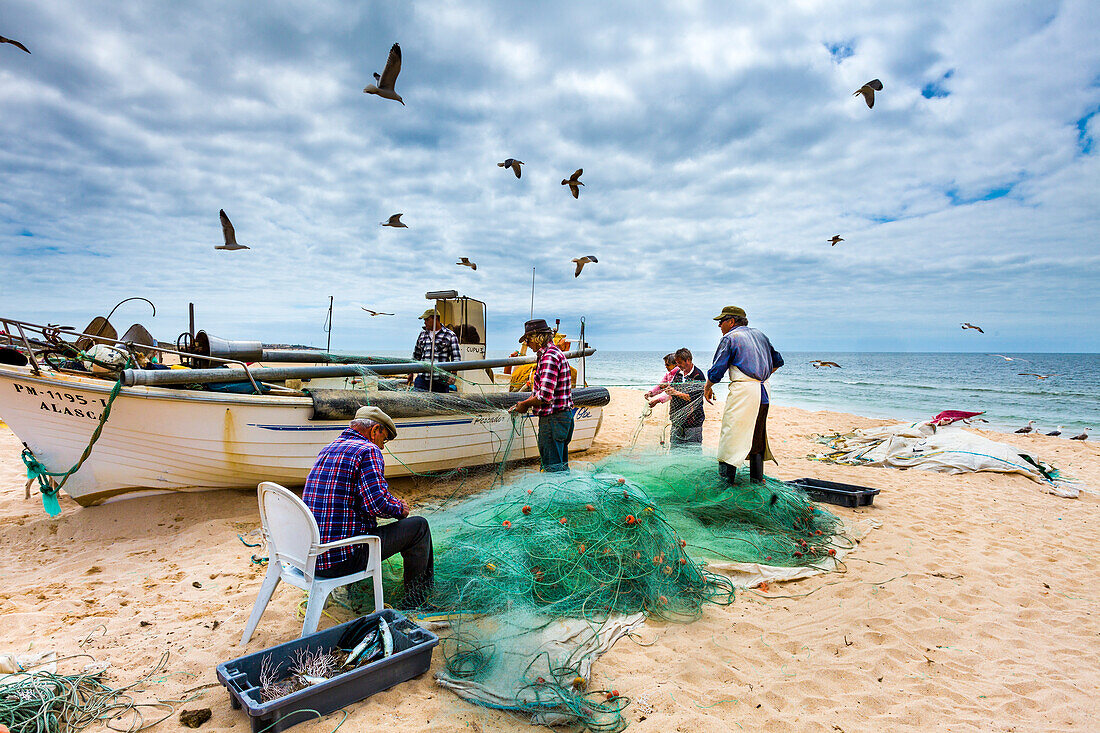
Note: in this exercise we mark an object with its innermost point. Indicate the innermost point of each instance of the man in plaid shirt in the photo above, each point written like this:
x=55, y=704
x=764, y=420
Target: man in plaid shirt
x=346, y=491
x=436, y=343
x=551, y=396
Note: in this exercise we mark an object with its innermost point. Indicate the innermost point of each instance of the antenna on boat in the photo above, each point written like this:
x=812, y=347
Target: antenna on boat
x=532, y=294
x=328, y=327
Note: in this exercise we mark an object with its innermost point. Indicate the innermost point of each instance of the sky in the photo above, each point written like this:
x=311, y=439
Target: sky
x=720, y=142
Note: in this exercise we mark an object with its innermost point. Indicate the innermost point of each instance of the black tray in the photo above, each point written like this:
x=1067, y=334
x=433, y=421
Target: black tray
x=832, y=492
x=412, y=655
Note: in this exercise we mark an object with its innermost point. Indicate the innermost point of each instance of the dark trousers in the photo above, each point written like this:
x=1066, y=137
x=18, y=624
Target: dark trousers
x=555, y=432
x=756, y=451
x=413, y=539
x=438, y=383
x=686, y=437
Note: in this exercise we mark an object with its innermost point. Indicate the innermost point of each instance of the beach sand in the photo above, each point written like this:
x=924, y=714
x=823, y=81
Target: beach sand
x=974, y=606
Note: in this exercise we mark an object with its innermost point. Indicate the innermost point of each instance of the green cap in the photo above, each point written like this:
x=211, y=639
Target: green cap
x=729, y=312
x=430, y=313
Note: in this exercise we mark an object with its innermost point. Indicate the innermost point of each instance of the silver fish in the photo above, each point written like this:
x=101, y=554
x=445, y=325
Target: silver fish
x=369, y=639
x=311, y=679
x=387, y=637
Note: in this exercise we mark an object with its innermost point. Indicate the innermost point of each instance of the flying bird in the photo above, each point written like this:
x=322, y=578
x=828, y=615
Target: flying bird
x=818, y=363
x=971, y=325
x=383, y=84
x=835, y=240
x=228, y=234
x=1027, y=428
x=465, y=262
x=376, y=313
x=1040, y=377
x=1056, y=433
x=582, y=261
x=15, y=43
x=868, y=91
x=1082, y=436
x=1009, y=358
x=574, y=182
x=395, y=221
x=513, y=164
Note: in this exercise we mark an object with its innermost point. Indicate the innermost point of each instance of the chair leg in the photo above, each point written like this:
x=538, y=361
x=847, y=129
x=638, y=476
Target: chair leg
x=378, y=588
x=267, y=589
x=317, y=598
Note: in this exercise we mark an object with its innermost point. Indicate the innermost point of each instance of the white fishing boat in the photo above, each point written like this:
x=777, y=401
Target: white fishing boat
x=166, y=438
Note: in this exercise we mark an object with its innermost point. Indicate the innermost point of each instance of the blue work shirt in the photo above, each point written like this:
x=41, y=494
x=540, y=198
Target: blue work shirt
x=749, y=350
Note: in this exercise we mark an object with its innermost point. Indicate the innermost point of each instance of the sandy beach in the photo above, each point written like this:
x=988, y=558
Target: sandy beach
x=971, y=607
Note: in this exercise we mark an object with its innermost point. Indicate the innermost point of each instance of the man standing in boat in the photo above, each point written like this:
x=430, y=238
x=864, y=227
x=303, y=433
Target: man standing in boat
x=748, y=356
x=436, y=344
x=347, y=491
x=551, y=396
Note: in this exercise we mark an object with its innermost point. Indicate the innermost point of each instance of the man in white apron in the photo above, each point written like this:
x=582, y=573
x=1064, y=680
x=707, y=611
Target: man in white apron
x=749, y=358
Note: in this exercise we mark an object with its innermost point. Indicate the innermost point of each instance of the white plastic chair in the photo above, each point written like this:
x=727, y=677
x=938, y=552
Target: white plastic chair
x=294, y=544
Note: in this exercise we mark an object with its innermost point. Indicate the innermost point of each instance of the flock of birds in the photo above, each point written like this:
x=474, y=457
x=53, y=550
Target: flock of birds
x=384, y=86
x=1030, y=428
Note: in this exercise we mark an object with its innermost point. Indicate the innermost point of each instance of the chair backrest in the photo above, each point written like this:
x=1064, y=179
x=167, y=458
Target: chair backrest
x=289, y=526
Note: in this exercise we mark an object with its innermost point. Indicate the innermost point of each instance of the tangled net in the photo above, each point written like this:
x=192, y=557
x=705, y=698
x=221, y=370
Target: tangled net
x=632, y=535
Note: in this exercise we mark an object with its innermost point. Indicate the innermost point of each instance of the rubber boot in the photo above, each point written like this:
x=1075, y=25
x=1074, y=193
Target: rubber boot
x=756, y=468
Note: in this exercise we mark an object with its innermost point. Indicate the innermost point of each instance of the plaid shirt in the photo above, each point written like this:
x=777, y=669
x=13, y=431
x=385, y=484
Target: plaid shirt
x=346, y=490
x=443, y=343
x=552, y=382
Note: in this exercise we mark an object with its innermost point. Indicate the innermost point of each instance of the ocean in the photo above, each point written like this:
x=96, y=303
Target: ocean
x=910, y=386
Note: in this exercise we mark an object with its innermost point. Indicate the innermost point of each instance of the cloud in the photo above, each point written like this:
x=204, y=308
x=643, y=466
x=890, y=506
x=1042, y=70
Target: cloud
x=720, y=149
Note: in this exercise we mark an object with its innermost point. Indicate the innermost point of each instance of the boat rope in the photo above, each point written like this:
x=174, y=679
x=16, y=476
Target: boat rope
x=47, y=483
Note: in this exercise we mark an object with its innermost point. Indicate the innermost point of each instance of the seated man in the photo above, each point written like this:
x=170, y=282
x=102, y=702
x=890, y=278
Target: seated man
x=346, y=491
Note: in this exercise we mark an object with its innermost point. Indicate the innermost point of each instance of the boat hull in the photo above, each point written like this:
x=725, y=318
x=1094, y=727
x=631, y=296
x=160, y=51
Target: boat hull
x=159, y=439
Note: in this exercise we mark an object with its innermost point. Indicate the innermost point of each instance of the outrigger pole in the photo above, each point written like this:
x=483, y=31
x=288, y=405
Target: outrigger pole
x=162, y=377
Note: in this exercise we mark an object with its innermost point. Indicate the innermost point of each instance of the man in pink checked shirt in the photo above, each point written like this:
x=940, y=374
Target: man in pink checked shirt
x=551, y=396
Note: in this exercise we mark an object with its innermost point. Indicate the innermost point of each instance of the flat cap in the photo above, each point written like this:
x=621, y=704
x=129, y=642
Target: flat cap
x=729, y=312
x=375, y=414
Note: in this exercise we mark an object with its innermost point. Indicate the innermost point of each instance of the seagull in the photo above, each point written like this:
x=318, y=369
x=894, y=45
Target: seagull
x=818, y=363
x=465, y=262
x=1009, y=358
x=971, y=325
x=376, y=313
x=835, y=240
x=582, y=261
x=868, y=91
x=1082, y=436
x=383, y=85
x=1040, y=377
x=395, y=221
x=513, y=164
x=573, y=182
x=1056, y=433
x=228, y=233
x=15, y=43
x=1027, y=428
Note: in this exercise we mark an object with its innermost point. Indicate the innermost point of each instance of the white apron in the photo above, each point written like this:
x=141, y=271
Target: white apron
x=739, y=419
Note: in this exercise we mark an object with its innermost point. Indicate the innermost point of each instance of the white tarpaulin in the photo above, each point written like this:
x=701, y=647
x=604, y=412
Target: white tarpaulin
x=947, y=449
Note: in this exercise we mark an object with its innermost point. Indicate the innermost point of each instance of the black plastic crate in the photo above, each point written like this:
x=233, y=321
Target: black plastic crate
x=412, y=655
x=832, y=492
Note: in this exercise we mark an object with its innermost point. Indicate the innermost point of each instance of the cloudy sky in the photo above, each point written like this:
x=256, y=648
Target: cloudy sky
x=720, y=142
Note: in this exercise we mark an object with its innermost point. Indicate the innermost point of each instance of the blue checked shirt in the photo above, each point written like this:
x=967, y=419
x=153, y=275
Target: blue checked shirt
x=443, y=343
x=346, y=490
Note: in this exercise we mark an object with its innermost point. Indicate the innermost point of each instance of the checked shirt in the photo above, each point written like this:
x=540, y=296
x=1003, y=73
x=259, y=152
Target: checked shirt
x=346, y=490
x=552, y=383
x=443, y=343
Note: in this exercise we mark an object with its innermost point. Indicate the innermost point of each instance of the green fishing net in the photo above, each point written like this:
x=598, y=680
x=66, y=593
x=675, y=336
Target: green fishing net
x=630, y=535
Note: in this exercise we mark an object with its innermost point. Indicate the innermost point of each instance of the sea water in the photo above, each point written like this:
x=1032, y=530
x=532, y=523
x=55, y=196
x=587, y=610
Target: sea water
x=910, y=386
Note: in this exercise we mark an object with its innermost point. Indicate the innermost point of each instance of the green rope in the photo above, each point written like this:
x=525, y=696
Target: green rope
x=45, y=478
